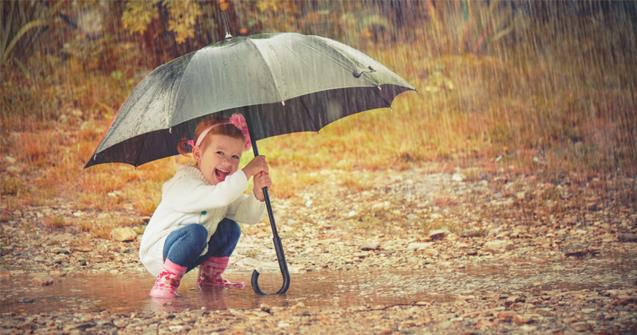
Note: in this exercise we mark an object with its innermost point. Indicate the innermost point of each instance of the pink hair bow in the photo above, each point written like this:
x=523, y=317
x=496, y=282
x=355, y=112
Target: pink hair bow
x=240, y=122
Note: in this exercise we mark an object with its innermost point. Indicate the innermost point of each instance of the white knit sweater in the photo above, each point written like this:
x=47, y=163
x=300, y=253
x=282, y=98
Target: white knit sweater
x=188, y=198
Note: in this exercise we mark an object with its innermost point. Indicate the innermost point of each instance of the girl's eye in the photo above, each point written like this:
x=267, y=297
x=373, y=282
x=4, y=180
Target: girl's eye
x=235, y=157
x=220, y=153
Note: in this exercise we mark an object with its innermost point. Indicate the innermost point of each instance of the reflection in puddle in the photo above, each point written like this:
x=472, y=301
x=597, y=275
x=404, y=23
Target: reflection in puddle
x=129, y=293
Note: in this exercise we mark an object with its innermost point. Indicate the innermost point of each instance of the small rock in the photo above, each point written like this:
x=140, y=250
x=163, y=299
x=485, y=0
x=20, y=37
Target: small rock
x=471, y=233
x=60, y=258
x=521, y=319
x=520, y=195
x=582, y=326
x=527, y=328
x=459, y=177
x=10, y=159
x=505, y=316
x=512, y=300
x=438, y=234
x=372, y=245
x=14, y=169
x=125, y=234
x=579, y=250
x=176, y=328
x=83, y=248
x=625, y=300
x=472, y=252
x=65, y=251
x=42, y=280
x=416, y=246
x=265, y=308
x=498, y=245
x=86, y=325
x=627, y=237
x=114, y=194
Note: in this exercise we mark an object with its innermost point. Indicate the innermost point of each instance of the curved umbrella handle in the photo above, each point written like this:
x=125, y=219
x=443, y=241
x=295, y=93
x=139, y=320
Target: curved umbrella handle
x=282, y=265
x=278, y=247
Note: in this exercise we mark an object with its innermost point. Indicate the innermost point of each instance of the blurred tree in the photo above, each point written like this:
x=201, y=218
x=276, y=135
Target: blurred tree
x=22, y=25
x=138, y=15
x=170, y=28
x=182, y=16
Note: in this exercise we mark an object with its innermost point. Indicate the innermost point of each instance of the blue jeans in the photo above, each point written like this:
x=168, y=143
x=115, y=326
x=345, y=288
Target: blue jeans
x=184, y=245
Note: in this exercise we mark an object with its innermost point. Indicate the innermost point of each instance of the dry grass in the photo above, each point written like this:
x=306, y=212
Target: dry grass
x=569, y=105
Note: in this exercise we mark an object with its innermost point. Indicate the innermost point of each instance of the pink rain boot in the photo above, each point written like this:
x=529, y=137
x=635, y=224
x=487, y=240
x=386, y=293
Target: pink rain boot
x=210, y=274
x=168, y=280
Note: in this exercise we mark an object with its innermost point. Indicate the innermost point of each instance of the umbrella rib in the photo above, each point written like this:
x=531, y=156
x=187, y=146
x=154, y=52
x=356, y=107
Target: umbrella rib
x=181, y=79
x=347, y=66
x=267, y=65
x=309, y=115
x=382, y=97
x=139, y=154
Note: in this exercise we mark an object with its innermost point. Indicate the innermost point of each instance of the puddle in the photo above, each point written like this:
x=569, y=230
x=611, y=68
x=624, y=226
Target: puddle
x=119, y=293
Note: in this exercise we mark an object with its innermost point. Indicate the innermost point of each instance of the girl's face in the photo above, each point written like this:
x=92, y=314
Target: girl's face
x=220, y=158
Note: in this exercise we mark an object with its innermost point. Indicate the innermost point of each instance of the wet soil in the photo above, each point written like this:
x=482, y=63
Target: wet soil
x=420, y=251
x=575, y=295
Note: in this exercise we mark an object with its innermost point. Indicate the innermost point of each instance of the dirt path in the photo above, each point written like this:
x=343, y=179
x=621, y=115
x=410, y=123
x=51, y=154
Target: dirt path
x=370, y=252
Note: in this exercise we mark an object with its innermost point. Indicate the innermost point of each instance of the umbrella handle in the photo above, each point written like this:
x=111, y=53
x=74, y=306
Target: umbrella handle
x=282, y=266
x=278, y=247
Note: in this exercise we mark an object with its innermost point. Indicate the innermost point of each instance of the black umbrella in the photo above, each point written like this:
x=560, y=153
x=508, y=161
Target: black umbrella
x=281, y=83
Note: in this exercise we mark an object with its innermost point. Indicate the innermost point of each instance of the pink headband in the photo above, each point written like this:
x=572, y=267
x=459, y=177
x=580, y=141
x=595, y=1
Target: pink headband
x=236, y=120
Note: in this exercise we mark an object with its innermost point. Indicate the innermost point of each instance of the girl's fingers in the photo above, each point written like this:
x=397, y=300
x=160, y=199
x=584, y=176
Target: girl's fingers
x=263, y=180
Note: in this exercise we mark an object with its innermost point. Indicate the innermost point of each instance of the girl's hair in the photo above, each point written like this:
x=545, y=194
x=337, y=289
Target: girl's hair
x=223, y=128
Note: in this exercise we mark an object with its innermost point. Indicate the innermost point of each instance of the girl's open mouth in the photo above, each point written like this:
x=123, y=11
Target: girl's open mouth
x=221, y=175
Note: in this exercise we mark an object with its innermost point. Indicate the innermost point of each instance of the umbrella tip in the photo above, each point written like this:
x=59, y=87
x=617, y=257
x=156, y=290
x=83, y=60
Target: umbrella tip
x=228, y=36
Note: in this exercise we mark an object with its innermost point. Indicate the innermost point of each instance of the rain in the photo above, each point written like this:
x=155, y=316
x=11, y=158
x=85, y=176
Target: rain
x=499, y=195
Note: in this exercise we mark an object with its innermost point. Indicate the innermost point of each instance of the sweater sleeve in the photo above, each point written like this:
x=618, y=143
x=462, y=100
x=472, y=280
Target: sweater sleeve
x=188, y=193
x=247, y=210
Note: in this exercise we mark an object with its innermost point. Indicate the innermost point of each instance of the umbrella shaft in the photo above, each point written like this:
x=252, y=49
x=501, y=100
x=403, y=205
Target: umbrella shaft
x=275, y=234
x=266, y=195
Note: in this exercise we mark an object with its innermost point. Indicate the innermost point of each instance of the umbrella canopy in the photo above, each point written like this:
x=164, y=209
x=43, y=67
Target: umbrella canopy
x=281, y=83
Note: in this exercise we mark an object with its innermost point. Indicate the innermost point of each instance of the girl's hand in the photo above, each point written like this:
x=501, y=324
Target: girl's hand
x=261, y=180
x=256, y=166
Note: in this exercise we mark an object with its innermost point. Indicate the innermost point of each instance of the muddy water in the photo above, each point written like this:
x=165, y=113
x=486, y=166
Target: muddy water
x=128, y=293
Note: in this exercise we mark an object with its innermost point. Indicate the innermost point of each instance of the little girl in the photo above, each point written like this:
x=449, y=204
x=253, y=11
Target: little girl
x=195, y=223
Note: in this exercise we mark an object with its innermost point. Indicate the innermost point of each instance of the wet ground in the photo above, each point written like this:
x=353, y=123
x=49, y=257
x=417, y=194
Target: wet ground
x=128, y=293
x=420, y=252
x=593, y=294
